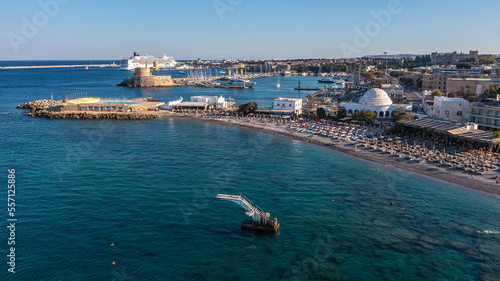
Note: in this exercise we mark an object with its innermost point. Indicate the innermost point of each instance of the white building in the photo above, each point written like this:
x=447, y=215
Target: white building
x=451, y=109
x=198, y=103
x=215, y=100
x=289, y=104
x=376, y=100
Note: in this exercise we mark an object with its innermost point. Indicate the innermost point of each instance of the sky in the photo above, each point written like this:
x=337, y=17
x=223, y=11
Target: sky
x=244, y=29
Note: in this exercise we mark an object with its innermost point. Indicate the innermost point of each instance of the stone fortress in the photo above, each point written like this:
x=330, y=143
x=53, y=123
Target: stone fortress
x=143, y=78
x=452, y=58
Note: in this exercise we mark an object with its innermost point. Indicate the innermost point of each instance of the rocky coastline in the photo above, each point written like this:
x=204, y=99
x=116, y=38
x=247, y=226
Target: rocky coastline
x=41, y=104
x=94, y=115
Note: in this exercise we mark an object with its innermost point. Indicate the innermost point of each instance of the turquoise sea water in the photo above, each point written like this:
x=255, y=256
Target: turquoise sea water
x=149, y=187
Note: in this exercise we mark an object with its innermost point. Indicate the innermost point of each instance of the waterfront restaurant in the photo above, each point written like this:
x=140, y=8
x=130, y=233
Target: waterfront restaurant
x=202, y=103
x=282, y=106
x=288, y=104
x=191, y=106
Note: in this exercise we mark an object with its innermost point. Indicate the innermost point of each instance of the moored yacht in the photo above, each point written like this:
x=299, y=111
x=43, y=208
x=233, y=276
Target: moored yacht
x=239, y=83
x=327, y=79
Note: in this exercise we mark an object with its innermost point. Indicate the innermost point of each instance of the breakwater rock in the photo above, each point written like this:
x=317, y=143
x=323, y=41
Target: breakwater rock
x=93, y=115
x=41, y=104
x=55, y=110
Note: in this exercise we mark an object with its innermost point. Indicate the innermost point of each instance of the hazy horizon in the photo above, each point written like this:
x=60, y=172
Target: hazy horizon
x=239, y=29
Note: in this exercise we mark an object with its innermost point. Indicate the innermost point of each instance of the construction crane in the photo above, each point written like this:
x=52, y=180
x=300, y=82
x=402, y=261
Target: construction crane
x=261, y=220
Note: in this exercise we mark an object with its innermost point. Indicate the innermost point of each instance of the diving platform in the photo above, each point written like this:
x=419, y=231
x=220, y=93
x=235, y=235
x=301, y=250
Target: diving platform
x=260, y=219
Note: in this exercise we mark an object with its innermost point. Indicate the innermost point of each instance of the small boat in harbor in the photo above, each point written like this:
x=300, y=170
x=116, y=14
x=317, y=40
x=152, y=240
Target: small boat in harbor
x=86, y=68
x=277, y=85
x=239, y=83
x=331, y=79
x=327, y=79
x=182, y=72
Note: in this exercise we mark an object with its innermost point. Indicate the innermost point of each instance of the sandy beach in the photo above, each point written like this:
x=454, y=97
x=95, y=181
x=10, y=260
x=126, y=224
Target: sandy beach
x=486, y=182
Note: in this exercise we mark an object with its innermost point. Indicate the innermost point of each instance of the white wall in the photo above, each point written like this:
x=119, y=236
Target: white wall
x=451, y=109
x=288, y=104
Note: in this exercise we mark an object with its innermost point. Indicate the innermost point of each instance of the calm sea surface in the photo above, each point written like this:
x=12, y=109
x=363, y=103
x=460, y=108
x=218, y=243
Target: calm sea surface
x=149, y=187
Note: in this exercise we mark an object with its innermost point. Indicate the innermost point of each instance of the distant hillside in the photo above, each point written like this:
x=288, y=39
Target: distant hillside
x=389, y=56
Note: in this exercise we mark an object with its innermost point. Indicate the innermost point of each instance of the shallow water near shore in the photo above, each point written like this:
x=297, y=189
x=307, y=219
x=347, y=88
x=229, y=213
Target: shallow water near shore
x=149, y=187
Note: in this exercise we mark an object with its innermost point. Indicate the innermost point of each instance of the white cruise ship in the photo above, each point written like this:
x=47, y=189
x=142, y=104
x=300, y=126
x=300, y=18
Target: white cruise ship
x=131, y=63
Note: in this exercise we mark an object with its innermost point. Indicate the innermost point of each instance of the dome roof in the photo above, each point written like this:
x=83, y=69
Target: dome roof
x=375, y=96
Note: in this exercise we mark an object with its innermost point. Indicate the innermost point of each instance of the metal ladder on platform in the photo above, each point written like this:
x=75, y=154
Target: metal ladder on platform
x=258, y=215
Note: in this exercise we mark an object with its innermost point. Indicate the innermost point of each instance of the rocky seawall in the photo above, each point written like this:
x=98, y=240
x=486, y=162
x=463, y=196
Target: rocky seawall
x=52, y=109
x=94, y=115
x=41, y=104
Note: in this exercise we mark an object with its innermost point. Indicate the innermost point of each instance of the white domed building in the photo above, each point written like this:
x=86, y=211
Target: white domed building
x=376, y=100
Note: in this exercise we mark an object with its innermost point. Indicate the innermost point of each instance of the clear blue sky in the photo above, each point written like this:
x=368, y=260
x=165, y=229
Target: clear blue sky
x=243, y=29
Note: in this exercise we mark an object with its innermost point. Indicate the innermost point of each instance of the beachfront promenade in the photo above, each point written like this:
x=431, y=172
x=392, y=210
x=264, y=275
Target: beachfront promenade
x=467, y=168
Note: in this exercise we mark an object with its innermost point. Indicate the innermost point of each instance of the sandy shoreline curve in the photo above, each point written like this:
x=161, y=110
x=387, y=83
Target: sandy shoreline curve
x=485, y=183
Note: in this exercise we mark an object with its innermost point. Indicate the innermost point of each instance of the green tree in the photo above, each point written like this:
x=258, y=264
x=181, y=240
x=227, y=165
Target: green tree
x=400, y=114
x=487, y=60
x=356, y=115
x=370, y=75
x=367, y=115
x=466, y=93
x=341, y=113
x=396, y=74
x=437, y=93
x=496, y=134
x=248, y=107
x=419, y=82
x=491, y=92
x=406, y=81
x=301, y=69
x=321, y=112
x=465, y=65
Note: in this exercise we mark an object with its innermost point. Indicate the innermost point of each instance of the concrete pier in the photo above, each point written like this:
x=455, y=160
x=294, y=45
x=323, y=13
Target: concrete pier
x=308, y=89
